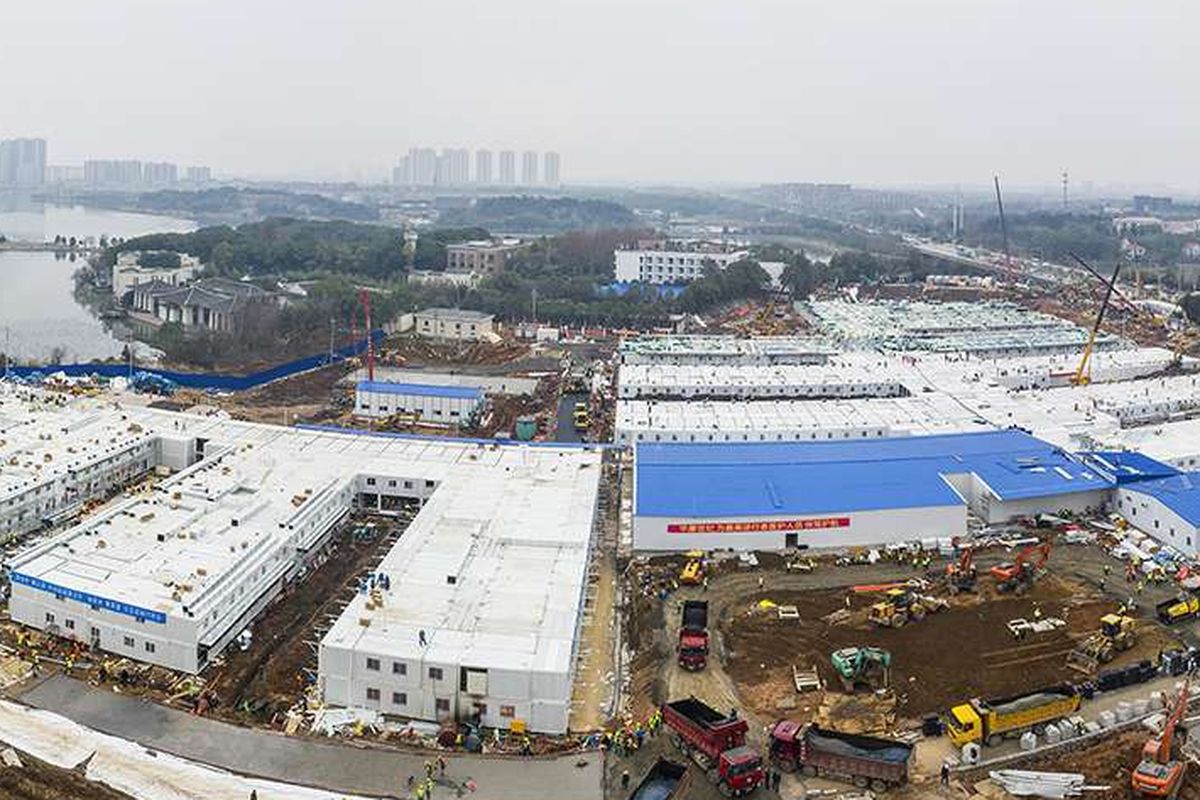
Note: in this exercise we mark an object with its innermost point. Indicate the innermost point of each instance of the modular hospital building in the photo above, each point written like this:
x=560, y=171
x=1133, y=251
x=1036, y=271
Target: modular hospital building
x=478, y=615
x=850, y=492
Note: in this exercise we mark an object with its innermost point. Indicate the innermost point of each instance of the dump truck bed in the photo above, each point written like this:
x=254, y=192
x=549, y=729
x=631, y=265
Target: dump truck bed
x=855, y=755
x=666, y=780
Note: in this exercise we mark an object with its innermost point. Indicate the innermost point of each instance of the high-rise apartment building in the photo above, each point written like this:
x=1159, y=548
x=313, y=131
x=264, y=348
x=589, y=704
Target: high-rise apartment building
x=423, y=162
x=112, y=173
x=529, y=168
x=22, y=163
x=483, y=166
x=550, y=168
x=160, y=173
x=199, y=174
x=402, y=172
x=508, y=167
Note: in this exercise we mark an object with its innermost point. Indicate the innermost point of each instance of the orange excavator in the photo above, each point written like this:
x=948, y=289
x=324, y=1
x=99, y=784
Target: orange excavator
x=961, y=574
x=1160, y=772
x=1019, y=574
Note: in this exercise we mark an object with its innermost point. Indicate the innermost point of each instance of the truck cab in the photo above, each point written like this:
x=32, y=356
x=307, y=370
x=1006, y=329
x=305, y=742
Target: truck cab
x=785, y=743
x=964, y=725
x=741, y=770
x=693, y=649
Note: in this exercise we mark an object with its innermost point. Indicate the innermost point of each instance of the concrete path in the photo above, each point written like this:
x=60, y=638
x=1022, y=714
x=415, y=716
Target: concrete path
x=327, y=765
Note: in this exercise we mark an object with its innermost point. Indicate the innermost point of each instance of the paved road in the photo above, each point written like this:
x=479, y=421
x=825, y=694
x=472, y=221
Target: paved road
x=327, y=765
x=566, y=418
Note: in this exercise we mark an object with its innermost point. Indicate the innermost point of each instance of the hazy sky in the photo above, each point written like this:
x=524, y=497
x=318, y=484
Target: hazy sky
x=880, y=92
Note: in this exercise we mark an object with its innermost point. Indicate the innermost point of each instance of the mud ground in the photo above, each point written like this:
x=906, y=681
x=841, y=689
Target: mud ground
x=37, y=780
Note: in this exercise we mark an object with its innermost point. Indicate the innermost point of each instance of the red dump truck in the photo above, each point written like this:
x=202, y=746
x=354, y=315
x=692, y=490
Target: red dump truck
x=693, y=636
x=865, y=761
x=717, y=743
x=666, y=780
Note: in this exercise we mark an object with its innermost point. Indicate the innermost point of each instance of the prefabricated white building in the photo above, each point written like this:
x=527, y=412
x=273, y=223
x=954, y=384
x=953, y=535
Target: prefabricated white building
x=450, y=405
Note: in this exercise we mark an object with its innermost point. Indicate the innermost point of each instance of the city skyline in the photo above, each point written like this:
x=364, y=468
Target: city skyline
x=451, y=166
x=929, y=93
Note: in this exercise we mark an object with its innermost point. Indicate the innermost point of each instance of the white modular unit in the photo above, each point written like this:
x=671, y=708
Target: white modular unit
x=447, y=405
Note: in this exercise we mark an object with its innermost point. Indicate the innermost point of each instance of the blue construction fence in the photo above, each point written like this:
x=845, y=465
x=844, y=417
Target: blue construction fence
x=165, y=378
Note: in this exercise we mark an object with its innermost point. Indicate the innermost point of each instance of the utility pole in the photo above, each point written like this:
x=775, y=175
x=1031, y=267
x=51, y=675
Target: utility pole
x=7, y=347
x=129, y=349
x=534, y=293
x=332, y=323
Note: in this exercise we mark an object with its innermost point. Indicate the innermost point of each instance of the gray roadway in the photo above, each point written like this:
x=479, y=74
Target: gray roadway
x=311, y=762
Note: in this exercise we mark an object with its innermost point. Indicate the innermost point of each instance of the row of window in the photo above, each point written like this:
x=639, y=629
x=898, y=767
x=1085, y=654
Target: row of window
x=400, y=668
x=437, y=412
x=392, y=483
x=762, y=437
x=129, y=642
x=441, y=704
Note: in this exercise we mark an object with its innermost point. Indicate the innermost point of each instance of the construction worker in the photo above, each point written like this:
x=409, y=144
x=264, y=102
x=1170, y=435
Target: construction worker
x=441, y=763
x=625, y=779
x=428, y=769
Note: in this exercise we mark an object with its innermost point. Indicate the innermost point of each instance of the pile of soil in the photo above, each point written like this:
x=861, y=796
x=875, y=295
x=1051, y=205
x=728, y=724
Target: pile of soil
x=37, y=780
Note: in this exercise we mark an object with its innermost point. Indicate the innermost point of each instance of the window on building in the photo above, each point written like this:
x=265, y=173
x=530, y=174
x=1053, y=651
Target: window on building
x=399, y=699
x=442, y=704
x=370, y=481
x=129, y=641
x=69, y=623
x=373, y=664
x=399, y=668
x=372, y=694
x=508, y=711
x=49, y=618
x=149, y=647
x=435, y=673
x=1156, y=524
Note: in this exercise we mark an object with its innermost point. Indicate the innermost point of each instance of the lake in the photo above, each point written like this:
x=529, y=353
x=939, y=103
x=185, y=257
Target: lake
x=38, y=312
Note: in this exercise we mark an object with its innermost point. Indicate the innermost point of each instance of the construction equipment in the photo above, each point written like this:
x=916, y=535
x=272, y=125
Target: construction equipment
x=862, y=666
x=1003, y=225
x=1083, y=374
x=903, y=605
x=962, y=574
x=1182, y=608
x=692, y=650
x=717, y=743
x=865, y=761
x=992, y=721
x=692, y=573
x=1019, y=574
x=1117, y=634
x=1161, y=770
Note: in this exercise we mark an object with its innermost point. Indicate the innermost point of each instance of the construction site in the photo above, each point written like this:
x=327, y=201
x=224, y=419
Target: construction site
x=907, y=547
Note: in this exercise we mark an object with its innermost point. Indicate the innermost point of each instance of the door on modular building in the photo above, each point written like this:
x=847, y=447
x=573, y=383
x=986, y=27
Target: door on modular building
x=791, y=540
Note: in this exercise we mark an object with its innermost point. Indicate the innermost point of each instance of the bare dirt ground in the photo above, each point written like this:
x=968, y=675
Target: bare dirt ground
x=965, y=651
x=1109, y=763
x=37, y=780
x=309, y=397
x=256, y=684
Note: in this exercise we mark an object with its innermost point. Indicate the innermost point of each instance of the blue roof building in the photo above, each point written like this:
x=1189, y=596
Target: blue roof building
x=1167, y=508
x=451, y=405
x=830, y=493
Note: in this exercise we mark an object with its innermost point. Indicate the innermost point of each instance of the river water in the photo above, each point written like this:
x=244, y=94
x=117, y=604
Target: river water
x=38, y=311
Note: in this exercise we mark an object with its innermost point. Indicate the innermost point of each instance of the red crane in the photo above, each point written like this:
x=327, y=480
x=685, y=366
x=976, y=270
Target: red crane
x=1020, y=573
x=1160, y=772
x=366, y=304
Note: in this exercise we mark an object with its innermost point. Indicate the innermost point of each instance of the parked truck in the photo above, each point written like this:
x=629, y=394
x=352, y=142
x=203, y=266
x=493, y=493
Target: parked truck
x=1179, y=609
x=692, y=649
x=992, y=721
x=717, y=743
x=865, y=761
x=666, y=780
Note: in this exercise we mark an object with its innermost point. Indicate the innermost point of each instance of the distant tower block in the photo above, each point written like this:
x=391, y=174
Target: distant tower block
x=1064, y=187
